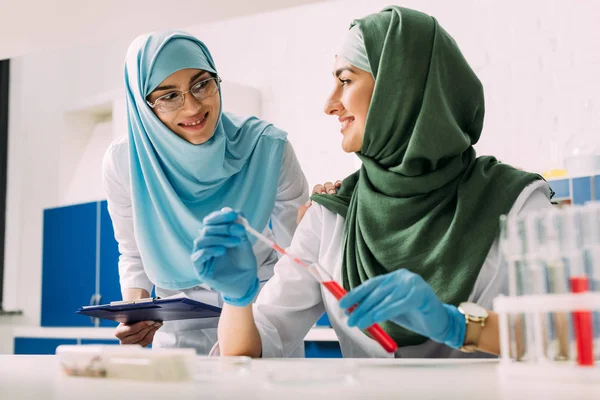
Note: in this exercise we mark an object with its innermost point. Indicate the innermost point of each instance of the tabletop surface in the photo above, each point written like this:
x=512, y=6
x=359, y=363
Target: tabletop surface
x=39, y=377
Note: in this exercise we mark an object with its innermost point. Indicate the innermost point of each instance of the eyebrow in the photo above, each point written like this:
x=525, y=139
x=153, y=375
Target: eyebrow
x=338, y=72
x=169, y=87
x=198, y=75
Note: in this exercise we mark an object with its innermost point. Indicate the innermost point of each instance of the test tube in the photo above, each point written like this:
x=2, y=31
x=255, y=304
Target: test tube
x=537, y=283
x=524, y=287
x=559, y=333
x=571, y=249
x=511, y=250
x=590, y=227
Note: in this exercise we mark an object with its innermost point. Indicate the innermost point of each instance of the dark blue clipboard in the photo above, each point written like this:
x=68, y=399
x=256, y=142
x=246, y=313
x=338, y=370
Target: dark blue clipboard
x=152, y=310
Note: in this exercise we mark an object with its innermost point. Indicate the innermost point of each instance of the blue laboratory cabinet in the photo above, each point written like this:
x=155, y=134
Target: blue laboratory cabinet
x=322, y=350
x=79, y=264
x=47, y=346
x=576, y=189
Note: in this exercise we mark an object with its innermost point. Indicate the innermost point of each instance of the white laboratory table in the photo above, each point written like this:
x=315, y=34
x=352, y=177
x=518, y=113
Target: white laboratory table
x=38, y=377
x=317, y=334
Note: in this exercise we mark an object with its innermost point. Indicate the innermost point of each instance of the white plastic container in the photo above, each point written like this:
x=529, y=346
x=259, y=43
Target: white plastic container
x=127, y=362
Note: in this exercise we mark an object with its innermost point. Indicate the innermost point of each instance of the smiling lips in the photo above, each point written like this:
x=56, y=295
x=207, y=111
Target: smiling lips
x=195, y=122
x=346, y=121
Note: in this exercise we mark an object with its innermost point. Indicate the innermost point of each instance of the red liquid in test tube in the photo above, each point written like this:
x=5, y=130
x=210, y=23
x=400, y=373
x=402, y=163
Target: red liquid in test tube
x=374, y=330
x=582, y=321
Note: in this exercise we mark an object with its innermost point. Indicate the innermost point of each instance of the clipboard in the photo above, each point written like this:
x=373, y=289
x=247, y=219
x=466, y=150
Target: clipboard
x=151, y=309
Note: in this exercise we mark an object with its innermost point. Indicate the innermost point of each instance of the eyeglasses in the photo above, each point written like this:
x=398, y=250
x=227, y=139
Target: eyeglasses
x=175, y=100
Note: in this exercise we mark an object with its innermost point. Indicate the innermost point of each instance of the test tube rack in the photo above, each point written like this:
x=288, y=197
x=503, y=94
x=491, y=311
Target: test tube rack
x=538, y=365
x=550, y=320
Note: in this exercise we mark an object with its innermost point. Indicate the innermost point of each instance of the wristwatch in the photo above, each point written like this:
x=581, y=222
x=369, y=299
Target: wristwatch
x=475, y=318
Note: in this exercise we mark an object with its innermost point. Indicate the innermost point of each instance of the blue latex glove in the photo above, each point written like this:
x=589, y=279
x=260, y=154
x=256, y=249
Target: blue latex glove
x=224, y=258
x=407, y=300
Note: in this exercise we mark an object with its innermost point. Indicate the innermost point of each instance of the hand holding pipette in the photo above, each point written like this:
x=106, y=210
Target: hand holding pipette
x=223, y=258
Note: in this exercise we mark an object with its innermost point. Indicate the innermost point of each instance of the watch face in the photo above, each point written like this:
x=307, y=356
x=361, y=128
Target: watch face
x=474, y=310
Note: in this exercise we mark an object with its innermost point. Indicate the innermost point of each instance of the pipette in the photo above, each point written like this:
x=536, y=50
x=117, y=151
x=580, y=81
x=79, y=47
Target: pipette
x=322, y=276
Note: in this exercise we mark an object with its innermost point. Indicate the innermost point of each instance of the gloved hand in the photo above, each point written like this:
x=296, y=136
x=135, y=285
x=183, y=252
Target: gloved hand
x=407, y=300
x=224, y=259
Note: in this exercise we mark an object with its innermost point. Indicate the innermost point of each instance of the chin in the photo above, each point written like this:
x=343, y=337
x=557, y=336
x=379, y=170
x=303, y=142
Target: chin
x=200, y=139
x=349, y=147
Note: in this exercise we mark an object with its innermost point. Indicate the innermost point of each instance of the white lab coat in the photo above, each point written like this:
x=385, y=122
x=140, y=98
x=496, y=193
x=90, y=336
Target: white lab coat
x=292, y=192
x=292, y=300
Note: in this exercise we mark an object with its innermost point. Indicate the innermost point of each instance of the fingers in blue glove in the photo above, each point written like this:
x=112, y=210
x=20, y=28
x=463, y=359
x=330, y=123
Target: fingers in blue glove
x=203, y=242
x=363, y=311
x=379, y=298
x=224, y=216
x=203, y=255
x=227, y=235
x=391, y=307
x=357, y=294
x=231, y=229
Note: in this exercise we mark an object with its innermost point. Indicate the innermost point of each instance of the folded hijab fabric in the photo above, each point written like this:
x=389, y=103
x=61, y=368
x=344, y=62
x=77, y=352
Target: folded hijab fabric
x=422, y=200
x=174, y=183
x=353, y=49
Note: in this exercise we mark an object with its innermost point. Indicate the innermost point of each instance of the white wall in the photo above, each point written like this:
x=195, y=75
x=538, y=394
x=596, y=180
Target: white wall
x=86, y=178
x=538, y=61
x=29, y=26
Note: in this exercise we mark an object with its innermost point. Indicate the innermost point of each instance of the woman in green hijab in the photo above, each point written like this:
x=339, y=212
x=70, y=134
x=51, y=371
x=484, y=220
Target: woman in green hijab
x=412, y=235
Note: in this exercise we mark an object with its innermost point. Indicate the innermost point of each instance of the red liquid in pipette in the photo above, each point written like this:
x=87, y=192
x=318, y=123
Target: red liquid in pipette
x=374, y=330
x=582, y=321
x=279, y=249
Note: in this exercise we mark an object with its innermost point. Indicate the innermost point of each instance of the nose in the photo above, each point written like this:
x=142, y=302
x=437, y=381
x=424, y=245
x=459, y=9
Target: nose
x=190, y=102
x=333, y=105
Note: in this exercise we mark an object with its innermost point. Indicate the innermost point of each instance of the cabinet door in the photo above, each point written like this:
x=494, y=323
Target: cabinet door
x=69, y=264
x=27, y=345
x=582, y=190
x=322, y=350
x=110, y=289
x=323, y=321
x=100, y=341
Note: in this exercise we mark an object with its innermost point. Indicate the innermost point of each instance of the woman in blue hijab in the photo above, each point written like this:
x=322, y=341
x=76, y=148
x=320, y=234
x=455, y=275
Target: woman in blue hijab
x=184, y=157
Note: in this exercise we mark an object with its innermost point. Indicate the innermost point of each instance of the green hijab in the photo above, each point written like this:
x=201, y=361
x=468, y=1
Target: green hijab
x=421, y=200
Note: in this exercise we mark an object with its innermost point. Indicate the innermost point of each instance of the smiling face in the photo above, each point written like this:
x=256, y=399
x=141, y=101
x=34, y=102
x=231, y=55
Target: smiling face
x=196, y=120
x=350, y=102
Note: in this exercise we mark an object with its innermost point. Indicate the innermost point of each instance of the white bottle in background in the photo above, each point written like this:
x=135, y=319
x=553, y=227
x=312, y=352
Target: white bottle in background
x=582, y=150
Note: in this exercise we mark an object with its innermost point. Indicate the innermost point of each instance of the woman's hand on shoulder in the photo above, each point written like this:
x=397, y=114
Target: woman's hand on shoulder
x=326, y=188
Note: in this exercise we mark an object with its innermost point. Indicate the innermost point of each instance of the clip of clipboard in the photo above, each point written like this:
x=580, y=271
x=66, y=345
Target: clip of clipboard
x=151, y=309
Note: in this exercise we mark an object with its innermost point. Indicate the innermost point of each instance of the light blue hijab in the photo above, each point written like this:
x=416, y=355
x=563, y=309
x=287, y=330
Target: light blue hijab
x=174, y=183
